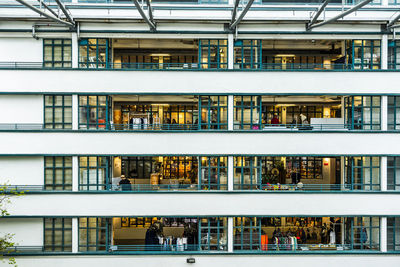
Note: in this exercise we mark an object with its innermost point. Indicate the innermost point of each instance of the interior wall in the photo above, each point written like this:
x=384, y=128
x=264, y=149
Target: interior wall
x=27, y=231
x=21, y=108
x=21, y=50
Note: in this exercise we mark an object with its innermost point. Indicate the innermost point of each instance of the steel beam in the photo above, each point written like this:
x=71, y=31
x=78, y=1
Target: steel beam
x=393, y=21
x=64, y=10
x=146, y=19
x=242, y=14
x=356, y=7
x=37, y=10
x=235, y=10
x=48, y=8
x=150, y=11
x=319, y=11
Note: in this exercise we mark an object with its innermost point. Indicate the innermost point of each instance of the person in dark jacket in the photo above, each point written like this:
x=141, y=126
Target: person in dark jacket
x=125, y=183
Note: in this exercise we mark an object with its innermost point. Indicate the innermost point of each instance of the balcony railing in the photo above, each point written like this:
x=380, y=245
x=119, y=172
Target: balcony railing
x=217, y=66
x=201, y=187
x=180, y=127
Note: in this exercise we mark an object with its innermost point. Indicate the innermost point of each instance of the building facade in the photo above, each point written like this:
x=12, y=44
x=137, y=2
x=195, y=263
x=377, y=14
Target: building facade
x=205, y=133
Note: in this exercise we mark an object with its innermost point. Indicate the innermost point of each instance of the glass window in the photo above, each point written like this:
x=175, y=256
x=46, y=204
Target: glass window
x=213, y=233
x=213, y=54
x=393, y=233
x=393, y=173
x=58, y=112
x=247, y=173
x=366, y=54
x=213, y=173
x=362, y=233
x=93, y=53
x=58, y=173
x=363, y=173
x=58, y=234
x=57, y=53
x=247, y=112
x=93, y=173
x=247, y=54
x=247, y=233
x=363, y=112
x=93, y=234
x=393, y=113
x=214, y=112
x=94, y=112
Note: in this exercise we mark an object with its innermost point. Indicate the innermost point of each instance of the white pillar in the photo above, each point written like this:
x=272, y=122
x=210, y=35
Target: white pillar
x=75, y=50
x=230, y=234
x=230, y=173
x=75, y=235
x=230, y=112
x=75, y=173
x=384, y=52
x=383, y=233
x=230, y=51
x=384, y=113
x=342, y=173
x=383, y=173
x=75, y=111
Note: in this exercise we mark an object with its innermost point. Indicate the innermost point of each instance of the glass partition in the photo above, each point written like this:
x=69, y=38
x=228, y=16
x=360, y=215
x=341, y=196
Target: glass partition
x=363, y=173
x=93, y=53
x=58, y=112
x=94, y=112
x=393, y=173
x=393, y=112
x=213, y=54
x=57, y=53
x=393, y=233
x=363, y=112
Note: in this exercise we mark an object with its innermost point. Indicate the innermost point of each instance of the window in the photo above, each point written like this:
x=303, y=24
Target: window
x=363, y=112
x=363, y=173
x=93, y=234
x=247, y=173
x=213, y=54
x=247, y=54
x=213, y=173
x=363, y=233
x=394, y=2
x=366, y=54
x=247, y=112
x=247, y=233
x=93, y=173
x=213, y=233
x=393, y=173
x=393, y=112
x=394, y=54
x=58, y=112
x=214, y=112
x=93, y=53
x=308, y=167
x=58, y=234
x=57, y=53
x=58, y=173
x=94, y=112
x=393, y=233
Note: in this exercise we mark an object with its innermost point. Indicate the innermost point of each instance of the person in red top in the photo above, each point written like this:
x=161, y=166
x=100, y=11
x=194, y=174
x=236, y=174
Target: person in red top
x=275, y=120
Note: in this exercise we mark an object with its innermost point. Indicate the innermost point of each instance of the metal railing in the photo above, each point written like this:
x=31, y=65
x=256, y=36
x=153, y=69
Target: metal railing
x=25, y=249
x=293, y=127
x=294, y=187
x=191, y=66
x=23, y=188
x=302, y=248
x=169, y=248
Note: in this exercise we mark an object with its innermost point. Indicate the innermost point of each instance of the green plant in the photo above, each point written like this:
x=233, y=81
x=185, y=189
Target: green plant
x=6, y=241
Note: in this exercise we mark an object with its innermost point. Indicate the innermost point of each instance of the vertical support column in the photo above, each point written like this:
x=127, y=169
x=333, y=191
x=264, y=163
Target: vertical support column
x=383, y=173
x=384, y=52
x=384, y=113
x=230, y=234
x=230, y=51
x=230, y=173
x=75, y=110
x=75, y=50
x=230, y=112
x=75, y=173
x=383, y=233
x=342, y=173
x=75, y=235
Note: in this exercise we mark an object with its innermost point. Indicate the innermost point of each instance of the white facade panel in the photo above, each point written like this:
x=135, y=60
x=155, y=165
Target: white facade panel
x=22, y=170
x=202, y=143
x=27, y=231
x=207, y=204
x=213, y=260
x=21, y=49
x=21, y=108
x=200, y=82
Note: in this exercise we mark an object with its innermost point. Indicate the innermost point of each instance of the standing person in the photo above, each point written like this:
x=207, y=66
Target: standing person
x=275, y=120
x=125, y=183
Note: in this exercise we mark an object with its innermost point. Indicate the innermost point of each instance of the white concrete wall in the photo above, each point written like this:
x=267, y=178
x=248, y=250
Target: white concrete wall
x=22, y=170
x=223, y=82
x=20, y=108
x=202, y=143
x=213, y=260
x=27, y=231
x=207, y=204
x=21, y=49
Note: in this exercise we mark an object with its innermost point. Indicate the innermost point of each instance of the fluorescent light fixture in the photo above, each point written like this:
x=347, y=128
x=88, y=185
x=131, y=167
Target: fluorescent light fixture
x=285, y=55
x=160, y=55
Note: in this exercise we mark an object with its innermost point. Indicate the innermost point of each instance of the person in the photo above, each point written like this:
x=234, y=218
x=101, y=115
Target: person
x=295, y=176
x=125, y=183
x=275, y=120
